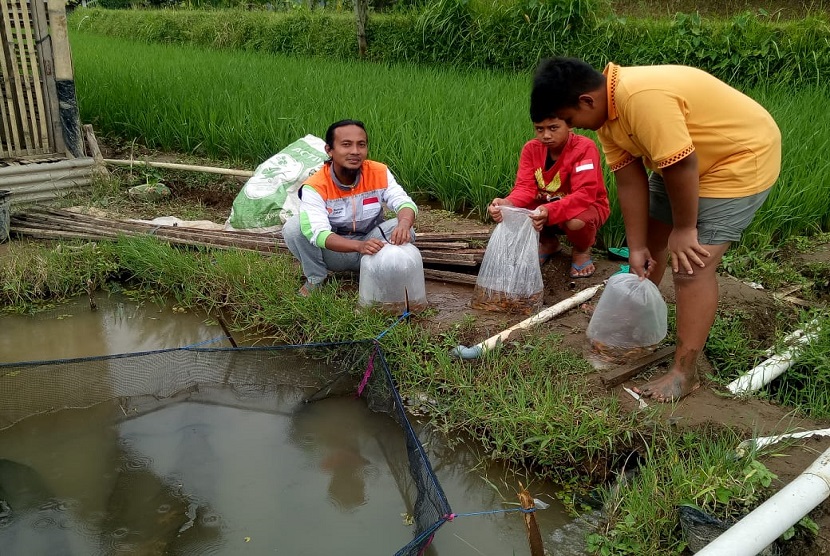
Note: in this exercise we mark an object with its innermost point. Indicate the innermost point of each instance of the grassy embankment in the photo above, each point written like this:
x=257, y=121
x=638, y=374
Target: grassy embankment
x=531, y=404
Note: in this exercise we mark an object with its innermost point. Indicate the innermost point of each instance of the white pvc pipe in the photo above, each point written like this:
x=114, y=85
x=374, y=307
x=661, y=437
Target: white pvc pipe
x=771, y=519
x=540, y=317
x=776, y=365
x=764, y=441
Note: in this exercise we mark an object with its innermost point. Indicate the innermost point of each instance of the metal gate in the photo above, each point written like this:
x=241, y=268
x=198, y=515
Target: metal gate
x=31, y=126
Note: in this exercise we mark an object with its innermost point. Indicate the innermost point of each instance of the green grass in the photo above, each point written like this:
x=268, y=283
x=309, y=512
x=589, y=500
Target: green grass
x=696, y=467
x=448, y=135
x=530, y=403
x=806, y=385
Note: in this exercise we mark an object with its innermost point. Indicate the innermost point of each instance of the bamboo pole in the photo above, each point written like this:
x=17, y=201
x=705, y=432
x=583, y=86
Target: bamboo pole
x=174, y=166
x=147, y=227
x=78, y=222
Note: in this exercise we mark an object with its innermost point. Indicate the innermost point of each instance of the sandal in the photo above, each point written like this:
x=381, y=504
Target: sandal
x=576, y=268
x=306, y=289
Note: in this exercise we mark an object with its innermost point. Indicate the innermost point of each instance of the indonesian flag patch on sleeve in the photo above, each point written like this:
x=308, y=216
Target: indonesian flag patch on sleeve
x=583, y=165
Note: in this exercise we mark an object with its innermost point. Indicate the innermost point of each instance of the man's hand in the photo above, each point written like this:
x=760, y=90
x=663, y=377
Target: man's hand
x=401, y=234
x=641, y=262
x=494, y=208
x=370, y=246
x=685, y=250
x=539, y=217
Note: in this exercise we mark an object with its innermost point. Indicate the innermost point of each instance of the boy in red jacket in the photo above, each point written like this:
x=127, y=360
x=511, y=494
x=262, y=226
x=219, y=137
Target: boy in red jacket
x=560, y=177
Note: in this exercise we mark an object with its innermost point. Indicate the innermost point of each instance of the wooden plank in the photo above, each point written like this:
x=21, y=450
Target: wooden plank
x=15, y=146
x=18, y=69
x=441, y=244
x=95, y=151
x=34, y=94
x=447, y=276
x=35, y=85
x=427, y=259
x=44, y=50
x=620, y=375
x=448, y=257
x=452, y=236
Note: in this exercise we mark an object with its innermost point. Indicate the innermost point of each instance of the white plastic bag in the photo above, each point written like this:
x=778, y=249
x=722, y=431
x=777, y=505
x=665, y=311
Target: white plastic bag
x=630, y=318
x=510, y=278
x=392, y=275
x=269, y=197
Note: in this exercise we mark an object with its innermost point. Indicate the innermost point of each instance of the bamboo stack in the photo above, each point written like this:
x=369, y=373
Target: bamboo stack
x=437, y=249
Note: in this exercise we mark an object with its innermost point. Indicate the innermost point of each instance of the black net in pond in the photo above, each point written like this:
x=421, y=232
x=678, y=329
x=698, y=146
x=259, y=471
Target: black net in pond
x=141, y=383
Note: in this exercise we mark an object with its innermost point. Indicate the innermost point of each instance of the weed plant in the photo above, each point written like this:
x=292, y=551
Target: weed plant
x=449, y=135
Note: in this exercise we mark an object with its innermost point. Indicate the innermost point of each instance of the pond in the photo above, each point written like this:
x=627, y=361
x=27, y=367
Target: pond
x=216, y=471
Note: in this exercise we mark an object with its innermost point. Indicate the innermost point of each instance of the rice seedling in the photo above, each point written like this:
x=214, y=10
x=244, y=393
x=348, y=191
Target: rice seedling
x=449, y=135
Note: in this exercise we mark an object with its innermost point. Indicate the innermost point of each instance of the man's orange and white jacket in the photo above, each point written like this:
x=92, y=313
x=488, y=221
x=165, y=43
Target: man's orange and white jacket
x=327, y=206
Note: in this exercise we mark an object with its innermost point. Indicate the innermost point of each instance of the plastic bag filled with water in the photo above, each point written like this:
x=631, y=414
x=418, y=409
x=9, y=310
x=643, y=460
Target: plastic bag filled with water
x=391, y=275
x=630, y=318
x=510, y=279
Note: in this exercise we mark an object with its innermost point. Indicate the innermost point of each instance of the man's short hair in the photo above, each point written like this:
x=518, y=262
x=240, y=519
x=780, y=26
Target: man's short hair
x=557, y=83
x=341, y=123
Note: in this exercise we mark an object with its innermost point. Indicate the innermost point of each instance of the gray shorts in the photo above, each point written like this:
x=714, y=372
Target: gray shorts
x=718, y=220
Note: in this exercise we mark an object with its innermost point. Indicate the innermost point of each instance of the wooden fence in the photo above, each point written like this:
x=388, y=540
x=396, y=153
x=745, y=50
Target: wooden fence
x=29, y=109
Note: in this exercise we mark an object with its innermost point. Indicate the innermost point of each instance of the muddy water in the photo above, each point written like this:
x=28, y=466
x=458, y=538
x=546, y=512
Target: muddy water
x=217, y=472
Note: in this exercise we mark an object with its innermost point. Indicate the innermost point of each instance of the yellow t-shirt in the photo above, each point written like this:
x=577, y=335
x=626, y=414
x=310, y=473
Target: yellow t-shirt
x=662, y=114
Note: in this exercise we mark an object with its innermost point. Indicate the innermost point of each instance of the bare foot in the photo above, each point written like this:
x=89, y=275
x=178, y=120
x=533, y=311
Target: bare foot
x=550, y=247
x=670, y=387
x=582, y=265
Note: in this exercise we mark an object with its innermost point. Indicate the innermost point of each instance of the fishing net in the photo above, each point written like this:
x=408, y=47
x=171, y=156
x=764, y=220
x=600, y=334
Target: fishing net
x=140, y=383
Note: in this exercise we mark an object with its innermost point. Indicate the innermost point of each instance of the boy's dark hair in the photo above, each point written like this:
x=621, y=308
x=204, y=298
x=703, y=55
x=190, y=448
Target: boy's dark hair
x=557, y=84
x=342, y=123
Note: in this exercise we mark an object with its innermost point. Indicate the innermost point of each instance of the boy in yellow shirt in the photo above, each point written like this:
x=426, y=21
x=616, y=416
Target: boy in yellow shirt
x=713, y=152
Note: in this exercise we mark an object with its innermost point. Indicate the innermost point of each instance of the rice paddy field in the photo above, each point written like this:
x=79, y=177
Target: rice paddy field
x=449, y=136
x=452, y=137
